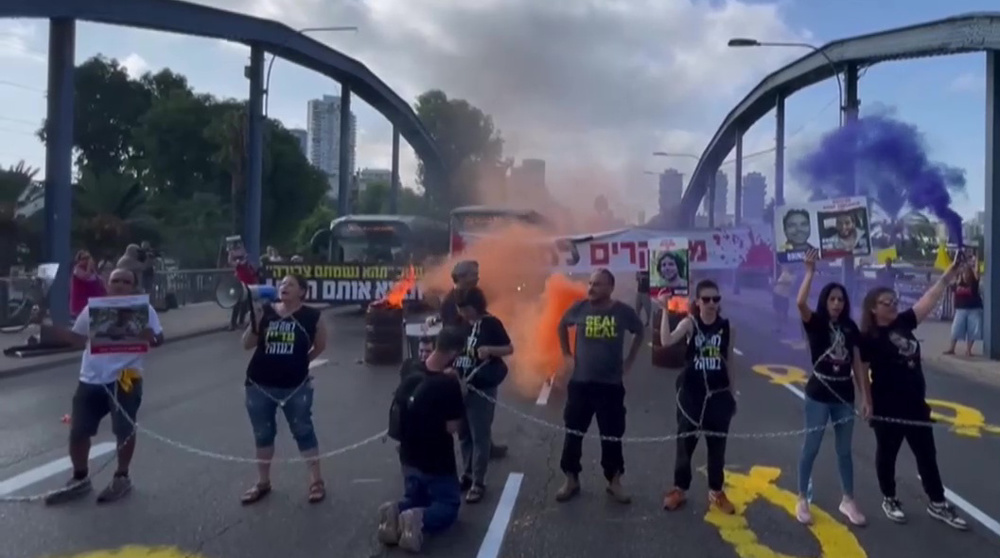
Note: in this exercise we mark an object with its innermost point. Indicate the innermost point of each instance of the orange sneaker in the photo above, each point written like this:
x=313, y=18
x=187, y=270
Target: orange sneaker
x=721, y=502
x=674, y=499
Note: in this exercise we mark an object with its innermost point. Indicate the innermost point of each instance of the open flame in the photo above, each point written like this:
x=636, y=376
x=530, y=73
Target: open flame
x=678, y=305
x=397, y=294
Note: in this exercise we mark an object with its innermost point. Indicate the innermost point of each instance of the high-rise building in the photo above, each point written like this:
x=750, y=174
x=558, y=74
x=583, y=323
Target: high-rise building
x=303, y=137
x=721, y=198
x=754, y=197
x=324, y=139
x=671, y=190
x=367, y=177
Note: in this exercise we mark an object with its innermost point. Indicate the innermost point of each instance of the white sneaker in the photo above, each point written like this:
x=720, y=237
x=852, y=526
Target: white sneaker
x=802, y=512
x=388, y=524
x=893, y=510
x=411, y=530
x=850, y=510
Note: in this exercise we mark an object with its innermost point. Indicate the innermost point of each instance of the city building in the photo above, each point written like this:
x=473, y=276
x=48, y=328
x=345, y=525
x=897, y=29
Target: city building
x=671, y=190
x=303, y=137
x=323, y=138
x=529, y=176
x=754, y=197
x=367, y=177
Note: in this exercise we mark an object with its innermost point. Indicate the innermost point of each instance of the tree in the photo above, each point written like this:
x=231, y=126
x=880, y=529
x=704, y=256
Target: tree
x=768, y=215
x=374, y=198
x=17, y=232
x=110, y=213
x=468, y=143
x=318, y=220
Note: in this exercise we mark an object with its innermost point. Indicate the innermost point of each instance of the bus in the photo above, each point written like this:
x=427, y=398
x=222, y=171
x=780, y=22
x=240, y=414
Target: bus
x=480, y=218
x=381, y=240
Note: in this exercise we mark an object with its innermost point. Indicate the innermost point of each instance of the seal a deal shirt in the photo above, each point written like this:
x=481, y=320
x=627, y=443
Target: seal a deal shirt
x=600, y=340
x=102, y=369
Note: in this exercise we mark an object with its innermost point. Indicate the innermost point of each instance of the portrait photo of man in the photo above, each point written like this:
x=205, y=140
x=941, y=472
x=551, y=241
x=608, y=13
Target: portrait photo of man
x=793, y=236
x=844, y=233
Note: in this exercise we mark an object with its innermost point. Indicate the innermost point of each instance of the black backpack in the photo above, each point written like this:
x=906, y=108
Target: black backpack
x=401, y=401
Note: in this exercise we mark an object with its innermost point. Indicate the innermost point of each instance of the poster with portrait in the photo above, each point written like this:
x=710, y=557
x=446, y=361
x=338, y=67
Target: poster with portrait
x=116, y=324
x=836, y=228
x=669, y=267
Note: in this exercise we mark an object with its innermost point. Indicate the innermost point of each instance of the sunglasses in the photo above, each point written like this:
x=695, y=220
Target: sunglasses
x=889, y=303
x=121, y=282
x=707, y=299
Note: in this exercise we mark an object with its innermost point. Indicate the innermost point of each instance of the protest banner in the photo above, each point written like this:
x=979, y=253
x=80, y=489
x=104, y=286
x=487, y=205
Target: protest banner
x=836, y=228
x=116, y=324
x=342, y=283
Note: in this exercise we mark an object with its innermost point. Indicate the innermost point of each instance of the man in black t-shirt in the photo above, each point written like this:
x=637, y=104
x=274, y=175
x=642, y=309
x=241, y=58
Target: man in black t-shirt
x=424, y=349
x=432, y=416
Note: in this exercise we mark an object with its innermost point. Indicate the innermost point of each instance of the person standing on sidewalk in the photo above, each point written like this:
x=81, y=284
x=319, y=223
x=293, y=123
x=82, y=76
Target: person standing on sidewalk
x=899, y=391
x=829, y=394
x=706, y=395
x=109, y=384
x=643, y=304
x=967, y=325
x=482, y=367
x=596, y=385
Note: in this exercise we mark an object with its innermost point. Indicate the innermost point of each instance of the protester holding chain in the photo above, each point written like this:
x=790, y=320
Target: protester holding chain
x=899, y=391
x=285, y=337
x=829, y=393
x=481, y=365
x=706, y=401
x=109, y=384
x=596, y=385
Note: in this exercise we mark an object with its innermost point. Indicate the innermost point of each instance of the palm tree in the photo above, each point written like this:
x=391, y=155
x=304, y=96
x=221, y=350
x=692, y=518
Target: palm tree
x=229, y=131
x=110, y=211
x=14, y=231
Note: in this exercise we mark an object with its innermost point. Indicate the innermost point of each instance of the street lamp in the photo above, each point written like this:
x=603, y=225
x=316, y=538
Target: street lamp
x=270, y=63
x=741, y=42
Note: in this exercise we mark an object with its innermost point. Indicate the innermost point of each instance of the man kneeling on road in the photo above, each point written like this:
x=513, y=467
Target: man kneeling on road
x=109, y=384
x=431, y=412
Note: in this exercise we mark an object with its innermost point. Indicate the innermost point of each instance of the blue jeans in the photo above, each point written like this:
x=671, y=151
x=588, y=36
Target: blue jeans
x=262, y=407
x=967, y=325
x=817, y=415
x=439, y=495
x=475, y=435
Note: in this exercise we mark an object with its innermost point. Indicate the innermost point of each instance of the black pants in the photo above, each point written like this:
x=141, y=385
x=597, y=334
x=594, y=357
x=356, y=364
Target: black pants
x=583, y=401
x=889, y=439
x=718, y=414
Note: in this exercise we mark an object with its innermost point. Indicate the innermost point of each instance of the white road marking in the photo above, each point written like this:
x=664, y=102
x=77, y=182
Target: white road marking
x=501, y=517
x=317, y=363
x=737, y=351
x=42, y=472
x=543, y=395
x=961, y=503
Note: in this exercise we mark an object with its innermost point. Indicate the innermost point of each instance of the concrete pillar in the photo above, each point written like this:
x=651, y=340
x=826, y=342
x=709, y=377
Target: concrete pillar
x=849, y=117
x=254, y=155
x=779, y=151
x=711, y=200
x=59, y=162
x=738, y=209
x=394, y=187
x=344, y=172
x=991, y=278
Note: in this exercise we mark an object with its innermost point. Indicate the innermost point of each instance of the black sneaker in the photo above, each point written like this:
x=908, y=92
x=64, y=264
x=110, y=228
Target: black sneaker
x=946, y=512
x=117, y=489
x=74, y=489
x=893, y=510
x=465, y=484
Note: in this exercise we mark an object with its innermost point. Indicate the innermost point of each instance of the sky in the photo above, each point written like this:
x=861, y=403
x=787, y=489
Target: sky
x=591, y=86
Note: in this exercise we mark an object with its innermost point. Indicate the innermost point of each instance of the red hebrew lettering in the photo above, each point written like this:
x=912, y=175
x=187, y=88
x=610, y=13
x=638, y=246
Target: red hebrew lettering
x=630, y=248
x=643, y=255
x=614, y=248
x=599, y=253
x=698, y=251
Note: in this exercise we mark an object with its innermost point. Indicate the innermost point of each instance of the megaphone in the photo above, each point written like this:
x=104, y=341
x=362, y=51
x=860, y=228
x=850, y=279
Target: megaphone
x=230, y=291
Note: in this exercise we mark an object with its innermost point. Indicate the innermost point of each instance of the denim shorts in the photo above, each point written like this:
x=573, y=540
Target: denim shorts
x=262, y=407
x=967, y=324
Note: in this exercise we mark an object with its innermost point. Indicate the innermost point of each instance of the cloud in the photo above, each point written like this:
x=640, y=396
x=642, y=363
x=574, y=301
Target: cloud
x=16, y=40
x=135, y=65
x=967, y=82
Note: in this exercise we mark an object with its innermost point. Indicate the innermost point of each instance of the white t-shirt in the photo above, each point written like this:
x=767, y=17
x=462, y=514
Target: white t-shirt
x=104, y=369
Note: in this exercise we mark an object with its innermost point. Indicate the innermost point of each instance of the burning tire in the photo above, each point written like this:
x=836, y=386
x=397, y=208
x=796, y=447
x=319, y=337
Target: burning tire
x=384, y=330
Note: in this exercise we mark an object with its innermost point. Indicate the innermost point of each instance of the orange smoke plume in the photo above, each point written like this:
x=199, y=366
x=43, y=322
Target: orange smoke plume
x=515, y=276
x=397, y=294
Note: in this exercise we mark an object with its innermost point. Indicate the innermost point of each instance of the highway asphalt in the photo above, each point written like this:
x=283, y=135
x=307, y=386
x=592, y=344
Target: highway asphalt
x=187, y=505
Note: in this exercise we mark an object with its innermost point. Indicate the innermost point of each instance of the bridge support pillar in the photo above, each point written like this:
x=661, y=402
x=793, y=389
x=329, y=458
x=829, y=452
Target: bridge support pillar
x=344, y=175
x=394, y=187
x=738, y=205
x=59, y=162
x=991, y=252
x=710, y=200
x=850, y=116
x=254, y=155
x=779, y=151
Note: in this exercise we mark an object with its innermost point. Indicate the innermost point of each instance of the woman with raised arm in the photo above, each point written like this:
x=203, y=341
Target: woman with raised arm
x=706, y=400
x=898, y=392
x=829, y=394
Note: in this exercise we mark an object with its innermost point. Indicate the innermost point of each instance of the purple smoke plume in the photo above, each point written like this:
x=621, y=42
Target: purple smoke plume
x=891, y=167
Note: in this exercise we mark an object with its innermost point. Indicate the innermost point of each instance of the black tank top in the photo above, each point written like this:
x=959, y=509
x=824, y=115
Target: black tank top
x=281, y=359
x=707, y=350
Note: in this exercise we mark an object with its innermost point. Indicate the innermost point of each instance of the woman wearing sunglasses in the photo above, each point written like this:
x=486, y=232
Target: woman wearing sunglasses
x=898, y=392
x=706, y=400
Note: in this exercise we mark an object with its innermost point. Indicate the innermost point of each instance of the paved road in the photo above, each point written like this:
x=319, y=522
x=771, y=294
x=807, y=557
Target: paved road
x=190, y=502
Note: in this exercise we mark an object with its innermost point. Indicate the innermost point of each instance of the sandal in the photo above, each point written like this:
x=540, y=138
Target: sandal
x=475, y=494
x=256, y=493
x=317, y=492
